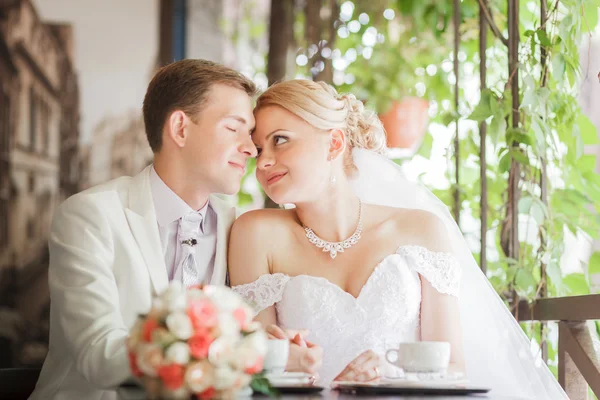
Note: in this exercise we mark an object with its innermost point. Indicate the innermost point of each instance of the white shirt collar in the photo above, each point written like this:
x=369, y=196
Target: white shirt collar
x=168, y=205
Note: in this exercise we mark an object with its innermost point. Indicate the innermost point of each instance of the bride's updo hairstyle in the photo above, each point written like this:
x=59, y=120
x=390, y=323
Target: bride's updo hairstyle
x=323, y=107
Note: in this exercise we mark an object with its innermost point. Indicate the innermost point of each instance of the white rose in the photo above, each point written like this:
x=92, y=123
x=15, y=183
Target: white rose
x=158, y=306
x=229, y=326
x=174, y=298
x=195, y=294
x=245, y=357
x=221, y=351
x=243, y=381
x=257, y=341
x=199, y=376
x=180, y=325
x=149, y=359
x=178, y=353
x=225, y=298
x=225, y=377
x=254, y=326
x=175, y=286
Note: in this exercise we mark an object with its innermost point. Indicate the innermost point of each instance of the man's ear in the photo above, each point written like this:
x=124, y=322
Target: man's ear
x=176, y=125
x=337, y=143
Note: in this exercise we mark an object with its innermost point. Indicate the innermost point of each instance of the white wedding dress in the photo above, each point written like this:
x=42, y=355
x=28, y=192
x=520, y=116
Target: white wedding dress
x=497, y=352
x=385, y=313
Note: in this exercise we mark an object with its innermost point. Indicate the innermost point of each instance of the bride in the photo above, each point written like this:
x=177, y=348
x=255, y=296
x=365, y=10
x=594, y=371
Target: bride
x=366, y=259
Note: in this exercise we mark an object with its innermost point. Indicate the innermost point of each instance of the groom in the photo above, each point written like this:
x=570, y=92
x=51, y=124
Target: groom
x=114, y=246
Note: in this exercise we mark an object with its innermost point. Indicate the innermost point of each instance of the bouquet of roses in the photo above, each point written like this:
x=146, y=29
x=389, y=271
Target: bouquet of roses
x=198, y=342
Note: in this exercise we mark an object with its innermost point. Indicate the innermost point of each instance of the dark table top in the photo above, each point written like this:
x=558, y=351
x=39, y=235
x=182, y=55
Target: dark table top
x=133, y=393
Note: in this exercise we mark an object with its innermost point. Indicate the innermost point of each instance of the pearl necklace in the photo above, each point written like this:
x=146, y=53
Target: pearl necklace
x=336, y=247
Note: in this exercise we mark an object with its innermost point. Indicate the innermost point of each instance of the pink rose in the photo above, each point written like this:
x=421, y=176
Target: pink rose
x=207, y=394
x=149, y=326
x=256, y=367
x=171, y=375
x=135, y=370
x=200, y=343
x=242, y=317
x=203, y=313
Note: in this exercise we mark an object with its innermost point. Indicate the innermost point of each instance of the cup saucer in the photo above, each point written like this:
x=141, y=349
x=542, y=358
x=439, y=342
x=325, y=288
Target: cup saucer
x=289, y=378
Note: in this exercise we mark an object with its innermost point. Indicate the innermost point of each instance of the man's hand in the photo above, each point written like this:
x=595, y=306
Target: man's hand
x=304, y=355
x=364, y=368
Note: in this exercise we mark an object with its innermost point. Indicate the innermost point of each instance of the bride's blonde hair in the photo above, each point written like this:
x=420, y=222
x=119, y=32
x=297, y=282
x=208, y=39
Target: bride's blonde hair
x=323, y=107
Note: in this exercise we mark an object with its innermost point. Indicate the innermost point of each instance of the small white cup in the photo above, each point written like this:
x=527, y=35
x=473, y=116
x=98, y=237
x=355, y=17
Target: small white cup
x=278, y=351
x=420, y=356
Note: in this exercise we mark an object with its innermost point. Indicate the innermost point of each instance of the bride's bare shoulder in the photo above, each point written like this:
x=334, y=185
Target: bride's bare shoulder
x=253, y=237
x=264, y=221
x=423, y=227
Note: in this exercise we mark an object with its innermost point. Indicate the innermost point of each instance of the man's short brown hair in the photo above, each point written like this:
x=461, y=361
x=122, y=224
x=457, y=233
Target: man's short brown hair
x=183, y=85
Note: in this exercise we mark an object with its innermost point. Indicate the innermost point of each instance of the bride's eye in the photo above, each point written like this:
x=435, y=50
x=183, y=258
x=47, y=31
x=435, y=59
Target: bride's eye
x=231, y=129
x=280, y=140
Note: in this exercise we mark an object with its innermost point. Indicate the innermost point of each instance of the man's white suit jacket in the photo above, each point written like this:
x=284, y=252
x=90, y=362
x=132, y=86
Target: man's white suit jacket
x=106, y=263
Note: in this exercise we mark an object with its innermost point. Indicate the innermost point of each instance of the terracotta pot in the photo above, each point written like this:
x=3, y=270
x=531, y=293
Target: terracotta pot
x=406, y=122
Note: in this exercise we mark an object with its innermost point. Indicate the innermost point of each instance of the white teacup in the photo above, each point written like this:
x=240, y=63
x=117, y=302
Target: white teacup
x=278, y=351
x=420, y=356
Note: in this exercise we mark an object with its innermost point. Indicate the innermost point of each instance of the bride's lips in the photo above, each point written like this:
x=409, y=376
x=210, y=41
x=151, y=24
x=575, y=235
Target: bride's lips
x=240, y=166
x=275, y=177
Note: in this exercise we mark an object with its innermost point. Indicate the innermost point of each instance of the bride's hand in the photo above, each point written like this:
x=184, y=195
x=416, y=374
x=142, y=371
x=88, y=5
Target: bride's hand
x=364, y=368
x=276, y=332
x=304, y=355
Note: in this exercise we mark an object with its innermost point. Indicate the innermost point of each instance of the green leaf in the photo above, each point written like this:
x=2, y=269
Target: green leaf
x=504, y=163
x=469, y=174
x=555, y=274
x=519, y=136
x=538, y=213
x=501, y=151
x=483, y=110
x=448, y=117
x=579, y=147
x=538, y=126
x=497, y=127
x=587, y=162
x=260, y=384
x=594, y=264
x=587, y=130
x=565, y=26
x=520, y=157
x=559, y=66
x=426, y=146
x=525, y=204
x=534, y=207
x=576, y=284
x=590, y=16
x=541, y=98
x=524, y=281
x=528, y=98
x=543, y=38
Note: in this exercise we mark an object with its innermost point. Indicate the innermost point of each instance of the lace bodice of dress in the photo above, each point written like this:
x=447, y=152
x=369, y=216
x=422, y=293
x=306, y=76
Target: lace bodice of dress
x=385, y=312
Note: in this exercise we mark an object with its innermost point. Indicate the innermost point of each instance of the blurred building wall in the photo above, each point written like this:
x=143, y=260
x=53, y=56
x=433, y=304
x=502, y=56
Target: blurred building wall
x=40, y=134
